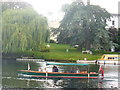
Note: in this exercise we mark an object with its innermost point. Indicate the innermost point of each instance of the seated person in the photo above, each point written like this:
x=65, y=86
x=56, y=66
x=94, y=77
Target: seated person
x=77, y=71
x=54, y=69
x=72, y=70
x=40, y=69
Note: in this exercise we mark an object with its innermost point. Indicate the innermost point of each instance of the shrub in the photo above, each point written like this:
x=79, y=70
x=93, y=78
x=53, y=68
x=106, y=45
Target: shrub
x=52, y=41
x=103, y=52
x=44, y=50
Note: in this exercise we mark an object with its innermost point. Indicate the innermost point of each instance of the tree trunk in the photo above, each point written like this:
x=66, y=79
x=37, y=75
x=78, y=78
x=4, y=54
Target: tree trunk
x=87, y=45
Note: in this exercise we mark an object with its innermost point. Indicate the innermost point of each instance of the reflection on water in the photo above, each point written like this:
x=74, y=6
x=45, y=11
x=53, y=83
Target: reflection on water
x=11, y=80
x=111, y=76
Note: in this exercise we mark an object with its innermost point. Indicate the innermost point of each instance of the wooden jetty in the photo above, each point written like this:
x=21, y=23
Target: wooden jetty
x=27, y=59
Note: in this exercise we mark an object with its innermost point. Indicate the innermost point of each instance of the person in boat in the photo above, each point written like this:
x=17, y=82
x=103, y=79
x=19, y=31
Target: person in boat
x=40, y=69
x=77, y=71
x=54, y=69
x=72, y=70
x=101, y=71
x=96, y=61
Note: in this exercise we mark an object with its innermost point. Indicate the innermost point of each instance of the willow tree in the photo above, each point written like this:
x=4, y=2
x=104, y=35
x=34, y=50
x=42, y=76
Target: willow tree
x=23, y=29
x=14, y=5
x=84, y=25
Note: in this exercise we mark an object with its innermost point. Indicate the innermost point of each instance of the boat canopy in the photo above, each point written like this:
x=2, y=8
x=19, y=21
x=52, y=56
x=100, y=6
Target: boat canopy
x=65, y=64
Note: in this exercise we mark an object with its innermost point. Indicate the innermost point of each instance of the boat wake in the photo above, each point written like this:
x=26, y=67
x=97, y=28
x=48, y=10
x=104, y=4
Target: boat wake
x=9, y=78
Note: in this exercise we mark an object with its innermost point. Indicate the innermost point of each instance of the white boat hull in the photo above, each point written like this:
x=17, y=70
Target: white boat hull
x=108, y=62
x=84, y=61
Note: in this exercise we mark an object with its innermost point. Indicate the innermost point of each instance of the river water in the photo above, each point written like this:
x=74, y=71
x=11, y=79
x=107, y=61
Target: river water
x=10, y=78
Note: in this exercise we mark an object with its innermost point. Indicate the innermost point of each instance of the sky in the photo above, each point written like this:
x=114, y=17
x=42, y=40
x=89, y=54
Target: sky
x=52, y=8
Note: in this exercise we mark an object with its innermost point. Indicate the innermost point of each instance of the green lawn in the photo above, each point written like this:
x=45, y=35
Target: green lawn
x=58, y=52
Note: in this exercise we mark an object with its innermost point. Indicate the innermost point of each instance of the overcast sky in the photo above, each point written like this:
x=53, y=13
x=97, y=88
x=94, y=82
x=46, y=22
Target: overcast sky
x=52, y=8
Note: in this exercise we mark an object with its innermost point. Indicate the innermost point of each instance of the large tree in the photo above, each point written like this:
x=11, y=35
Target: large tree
x=84, y=25
x=14, y=5
x=23, y=29
x=117, y=40
x=113, y=33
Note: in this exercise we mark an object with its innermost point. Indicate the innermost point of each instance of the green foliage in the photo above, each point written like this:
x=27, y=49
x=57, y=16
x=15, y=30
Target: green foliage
x=96, y=52
x=52, y=41
x=113, y=33
x=84, y=25
x=118, y=40
x=23, y=29
x=14, y=5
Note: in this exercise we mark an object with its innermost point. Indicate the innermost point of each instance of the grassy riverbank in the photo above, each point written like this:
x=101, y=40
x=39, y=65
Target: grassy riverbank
x=58, y=52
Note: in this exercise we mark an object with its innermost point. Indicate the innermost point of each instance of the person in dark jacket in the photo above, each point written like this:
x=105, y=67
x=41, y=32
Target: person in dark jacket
x=72, y=70
x=54, y=69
